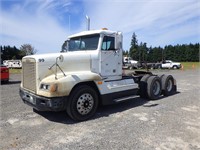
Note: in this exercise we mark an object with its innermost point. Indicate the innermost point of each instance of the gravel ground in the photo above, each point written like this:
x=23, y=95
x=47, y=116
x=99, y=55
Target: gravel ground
x=170, y=123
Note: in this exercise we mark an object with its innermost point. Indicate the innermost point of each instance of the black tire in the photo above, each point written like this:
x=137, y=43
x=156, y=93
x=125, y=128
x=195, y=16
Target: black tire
x=82, y=103
x=159, y=67
x=5, y=82
x=35, y=110
x=168, y=85
x=175, y=67
x=154, y=88
x=143, y=86
x=160, y=76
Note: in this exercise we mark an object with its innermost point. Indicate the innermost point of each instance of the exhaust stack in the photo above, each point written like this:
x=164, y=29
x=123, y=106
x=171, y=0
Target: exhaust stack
x=88, y=23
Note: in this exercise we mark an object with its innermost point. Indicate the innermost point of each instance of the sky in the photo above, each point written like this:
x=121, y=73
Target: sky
x=46, y=24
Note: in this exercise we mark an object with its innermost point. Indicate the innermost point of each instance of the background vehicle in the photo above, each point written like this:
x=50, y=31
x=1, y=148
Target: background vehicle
x=129, y=63
x=149, y=65
x=4, y=73
x=170, y=64
x=13, y=63
x=87, y=73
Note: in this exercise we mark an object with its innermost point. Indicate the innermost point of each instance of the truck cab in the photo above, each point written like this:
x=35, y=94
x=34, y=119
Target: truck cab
x=102, y=46
x=85, y=74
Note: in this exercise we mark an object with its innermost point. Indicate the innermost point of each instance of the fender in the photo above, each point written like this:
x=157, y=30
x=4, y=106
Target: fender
x=63, y=85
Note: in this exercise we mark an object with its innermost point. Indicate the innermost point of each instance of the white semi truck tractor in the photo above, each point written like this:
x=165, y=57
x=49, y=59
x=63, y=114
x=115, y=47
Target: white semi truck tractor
x=85, y=74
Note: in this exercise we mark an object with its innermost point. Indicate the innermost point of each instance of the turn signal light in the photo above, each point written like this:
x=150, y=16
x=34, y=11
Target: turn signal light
x=53, y=88
x=99, y=82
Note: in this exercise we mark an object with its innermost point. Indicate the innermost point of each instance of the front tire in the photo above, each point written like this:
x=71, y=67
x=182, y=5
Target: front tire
x=83, y=103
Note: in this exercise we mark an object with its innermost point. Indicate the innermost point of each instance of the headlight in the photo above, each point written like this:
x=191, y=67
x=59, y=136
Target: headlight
x=44, y=86
x=51, y=87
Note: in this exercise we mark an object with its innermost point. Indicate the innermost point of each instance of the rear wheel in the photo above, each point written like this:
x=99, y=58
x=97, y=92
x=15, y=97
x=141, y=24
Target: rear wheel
x=168, y=85
x=143, y=86
x=153, y=87
x=83, y=103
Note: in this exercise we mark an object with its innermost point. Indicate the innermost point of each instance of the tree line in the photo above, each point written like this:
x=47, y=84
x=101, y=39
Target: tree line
x=181, y=53
x=9, y=52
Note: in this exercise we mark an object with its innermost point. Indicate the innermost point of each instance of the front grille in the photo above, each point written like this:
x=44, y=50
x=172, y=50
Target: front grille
x=29, y=74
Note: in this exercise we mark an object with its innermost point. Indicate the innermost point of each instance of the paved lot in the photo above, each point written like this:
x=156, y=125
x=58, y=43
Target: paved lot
x=170, y=123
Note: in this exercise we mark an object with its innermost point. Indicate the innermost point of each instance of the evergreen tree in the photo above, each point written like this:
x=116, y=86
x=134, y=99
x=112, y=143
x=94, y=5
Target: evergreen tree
x=133, y=51
x=8, y=53
x=125, y=53
x=143, y=50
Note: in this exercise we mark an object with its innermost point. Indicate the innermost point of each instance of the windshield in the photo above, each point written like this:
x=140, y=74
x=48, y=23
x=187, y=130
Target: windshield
x=89, y=42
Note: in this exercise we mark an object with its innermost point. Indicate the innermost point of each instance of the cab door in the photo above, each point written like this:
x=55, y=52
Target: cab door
x=111, y=59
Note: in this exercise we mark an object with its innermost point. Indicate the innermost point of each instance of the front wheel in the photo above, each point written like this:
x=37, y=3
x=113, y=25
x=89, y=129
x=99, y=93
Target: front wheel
x=83, y=103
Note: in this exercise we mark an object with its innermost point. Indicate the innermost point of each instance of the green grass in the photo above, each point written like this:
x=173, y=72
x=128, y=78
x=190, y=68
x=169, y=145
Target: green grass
x=15, y=71
x=190, y=65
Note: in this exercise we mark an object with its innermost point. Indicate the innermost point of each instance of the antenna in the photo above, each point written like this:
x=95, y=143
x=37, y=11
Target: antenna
x=87, y=23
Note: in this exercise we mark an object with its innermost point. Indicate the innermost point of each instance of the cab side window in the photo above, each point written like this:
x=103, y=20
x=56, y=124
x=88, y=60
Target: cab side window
x=108, y=43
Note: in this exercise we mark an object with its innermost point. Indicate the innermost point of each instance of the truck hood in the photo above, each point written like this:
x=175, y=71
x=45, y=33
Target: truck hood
x=45, y=64
x=68, y=58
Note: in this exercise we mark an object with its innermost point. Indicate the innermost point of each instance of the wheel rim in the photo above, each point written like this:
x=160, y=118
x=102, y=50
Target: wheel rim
x=85, y=103
x=169, y=85
x=156, y=88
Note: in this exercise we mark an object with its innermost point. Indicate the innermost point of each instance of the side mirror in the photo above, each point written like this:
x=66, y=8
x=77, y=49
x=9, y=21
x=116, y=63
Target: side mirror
x=61, y=58
x=65, y=46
